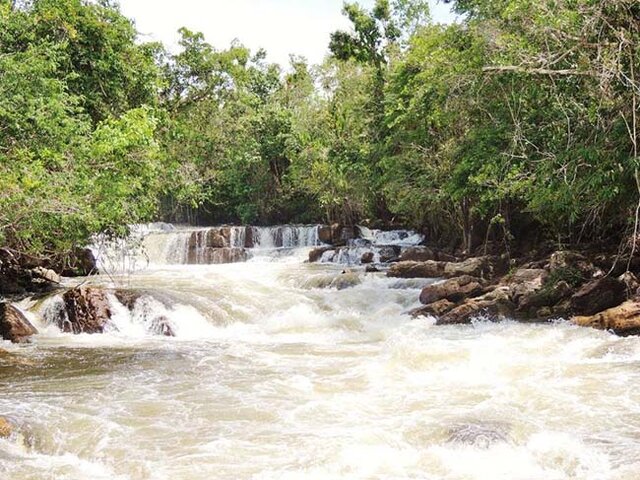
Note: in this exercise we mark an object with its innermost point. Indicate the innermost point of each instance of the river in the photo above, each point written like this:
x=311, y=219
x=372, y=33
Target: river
x=281, y=369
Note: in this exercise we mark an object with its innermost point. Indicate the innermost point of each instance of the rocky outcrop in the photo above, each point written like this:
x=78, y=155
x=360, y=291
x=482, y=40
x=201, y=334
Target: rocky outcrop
x=21, y=273
x=453, y=290
x=87, y=311
x=14, y=326
x=622, y=320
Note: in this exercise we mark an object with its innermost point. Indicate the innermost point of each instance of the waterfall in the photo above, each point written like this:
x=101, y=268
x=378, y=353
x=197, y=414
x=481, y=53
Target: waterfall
x=165, y=244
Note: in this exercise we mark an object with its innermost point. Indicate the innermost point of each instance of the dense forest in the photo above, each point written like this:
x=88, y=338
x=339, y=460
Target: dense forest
x=518, y=123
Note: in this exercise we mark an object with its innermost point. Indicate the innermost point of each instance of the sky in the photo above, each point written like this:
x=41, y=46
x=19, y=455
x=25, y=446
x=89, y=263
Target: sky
x=281, y=27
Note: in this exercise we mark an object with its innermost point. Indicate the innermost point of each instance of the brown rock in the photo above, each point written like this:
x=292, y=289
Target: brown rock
x=81, y=262
x=453, y=290
x=435, y=309
x=87, y=310
x=14, y=326
x=495, y=304
x=324, y=234
x=598, y=295
x=216, y=240
x=316, y=254
x=417, y=254
x=367, y=257
x=623, y=319
x=128, y=298
x=6, y=428
x=371, y=269
x=429, y=269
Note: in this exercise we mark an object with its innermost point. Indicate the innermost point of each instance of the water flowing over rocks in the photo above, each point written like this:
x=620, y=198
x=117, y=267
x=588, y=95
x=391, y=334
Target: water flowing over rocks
x=14, y=326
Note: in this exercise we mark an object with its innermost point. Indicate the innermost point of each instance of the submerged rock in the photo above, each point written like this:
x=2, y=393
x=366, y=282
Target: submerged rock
x=346, y=280
x=87, y=309
x=622, y=320
x=14, y=326
x=479, y=435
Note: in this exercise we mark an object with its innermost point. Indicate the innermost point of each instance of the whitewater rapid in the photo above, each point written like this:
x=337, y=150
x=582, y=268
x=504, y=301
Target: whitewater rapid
x=282, y=369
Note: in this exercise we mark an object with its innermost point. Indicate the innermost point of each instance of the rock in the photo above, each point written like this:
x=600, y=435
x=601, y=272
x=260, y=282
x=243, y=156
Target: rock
x=345, y=280
x=435, y=309
x=216, y=240
x=622, y=320
x=428, y=269
x=526, y=289
x=6, y=428
x=631, y=283
x=495, y=304
x=81, y=262
x=371, y=269
x=162, y=326
x=316, y=254
x=324, y=234
x=476, y=267
x=389, y=253
x=453, y=290
x=525, y=275
x=367, y=257
x=598, y=295
x=336, y=234
x=571, y=264
x=225, y=255
x=87, y=309
x=14, y=326
x=417, y=254
x=46, y=274
x=479, y=435
x=128, y=298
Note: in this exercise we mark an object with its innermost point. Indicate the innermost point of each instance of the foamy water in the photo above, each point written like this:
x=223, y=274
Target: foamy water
x=280, y=371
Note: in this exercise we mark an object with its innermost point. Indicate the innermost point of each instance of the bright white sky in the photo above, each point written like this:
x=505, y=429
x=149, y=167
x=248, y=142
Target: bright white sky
x=281, y=27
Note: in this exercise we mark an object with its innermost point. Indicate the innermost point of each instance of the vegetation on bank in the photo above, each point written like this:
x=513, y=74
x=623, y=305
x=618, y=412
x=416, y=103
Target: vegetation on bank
x=520, y=122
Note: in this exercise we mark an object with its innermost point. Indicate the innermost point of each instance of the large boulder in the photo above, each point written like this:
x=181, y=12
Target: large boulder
x=428, y=269
x=417, y=254
x=622, y=320
x=367, y=257
x=14, y=326
x=496, y=304
x=598, y=295
x=453, y=290
x=87, y=309
x=481, y=267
